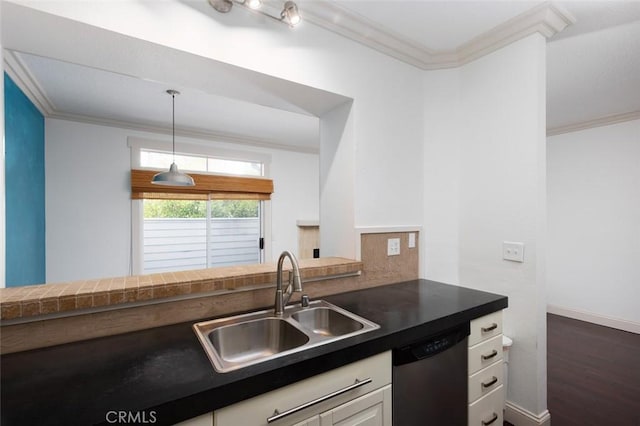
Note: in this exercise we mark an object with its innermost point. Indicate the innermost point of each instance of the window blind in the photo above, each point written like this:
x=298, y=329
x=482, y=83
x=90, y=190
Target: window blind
x=207, y=186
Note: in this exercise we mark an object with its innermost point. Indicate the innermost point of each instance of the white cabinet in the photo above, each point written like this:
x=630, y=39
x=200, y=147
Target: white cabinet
x=486, y=390
x=355, y=394
x=372, y=409
x=203, y=420
x=313, y=421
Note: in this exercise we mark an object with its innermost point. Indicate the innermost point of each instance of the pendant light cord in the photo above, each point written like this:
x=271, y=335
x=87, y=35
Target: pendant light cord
x=173, y=121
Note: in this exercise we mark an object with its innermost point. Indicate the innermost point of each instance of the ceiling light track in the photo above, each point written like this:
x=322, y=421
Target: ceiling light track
x=289, y=14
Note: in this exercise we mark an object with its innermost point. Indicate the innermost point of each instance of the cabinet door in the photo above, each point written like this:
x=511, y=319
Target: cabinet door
x=309, y=397
x=203, y=420
x=313, y=421
x=373, y=409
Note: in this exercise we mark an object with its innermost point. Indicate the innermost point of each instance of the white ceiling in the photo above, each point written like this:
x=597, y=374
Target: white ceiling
x=593, y=67
x=593, y=70
x=437, y=25
x=81, y=92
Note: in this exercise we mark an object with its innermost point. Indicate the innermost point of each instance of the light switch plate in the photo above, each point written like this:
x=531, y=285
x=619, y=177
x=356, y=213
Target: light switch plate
x=513, y=251
x=412, y=240
x=393, y=246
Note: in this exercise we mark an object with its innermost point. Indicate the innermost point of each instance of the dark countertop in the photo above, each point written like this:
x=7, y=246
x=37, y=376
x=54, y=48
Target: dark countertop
x=164, y=370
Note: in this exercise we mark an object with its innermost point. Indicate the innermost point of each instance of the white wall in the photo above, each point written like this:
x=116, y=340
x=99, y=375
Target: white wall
x=88, y=201
x=88, y=217
x=337, y=170
x=484, y=184
x=594, y=221
x=296, y=196
x=443, y=136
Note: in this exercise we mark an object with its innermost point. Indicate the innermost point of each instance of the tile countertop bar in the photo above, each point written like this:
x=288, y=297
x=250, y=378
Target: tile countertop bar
x=165, y=370
x=34, y=300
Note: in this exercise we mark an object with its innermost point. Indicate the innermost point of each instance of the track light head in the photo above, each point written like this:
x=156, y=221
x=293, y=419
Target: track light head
x=290, y=14
x=253, y=4
x=222, y=6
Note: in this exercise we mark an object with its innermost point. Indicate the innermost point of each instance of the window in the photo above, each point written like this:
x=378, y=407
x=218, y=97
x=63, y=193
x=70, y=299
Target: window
x=200, y=163
x=190, y=234
x=204, y=230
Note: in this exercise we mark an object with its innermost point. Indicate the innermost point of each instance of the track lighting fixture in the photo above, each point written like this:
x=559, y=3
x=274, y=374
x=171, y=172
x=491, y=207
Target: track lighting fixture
x=254, y=4
x=289, y=14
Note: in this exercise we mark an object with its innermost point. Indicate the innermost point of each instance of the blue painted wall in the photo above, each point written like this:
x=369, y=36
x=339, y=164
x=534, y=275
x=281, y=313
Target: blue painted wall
x=25, y=197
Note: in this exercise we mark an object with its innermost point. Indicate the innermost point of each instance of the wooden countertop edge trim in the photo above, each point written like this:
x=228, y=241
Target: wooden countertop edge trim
x=28, y=302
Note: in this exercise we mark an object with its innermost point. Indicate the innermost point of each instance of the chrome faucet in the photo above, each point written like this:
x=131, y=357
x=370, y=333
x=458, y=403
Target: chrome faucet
x=295, y=282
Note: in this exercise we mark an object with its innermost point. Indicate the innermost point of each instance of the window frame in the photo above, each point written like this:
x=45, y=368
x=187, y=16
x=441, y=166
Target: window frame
x=137, y=144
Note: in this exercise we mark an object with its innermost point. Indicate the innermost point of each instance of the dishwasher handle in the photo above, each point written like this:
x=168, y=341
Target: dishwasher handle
x=430, y=346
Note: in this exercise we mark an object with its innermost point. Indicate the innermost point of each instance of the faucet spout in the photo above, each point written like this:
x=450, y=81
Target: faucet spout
x=295, y=282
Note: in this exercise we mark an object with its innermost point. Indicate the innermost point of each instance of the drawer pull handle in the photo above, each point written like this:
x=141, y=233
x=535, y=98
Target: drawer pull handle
x=278, y=415
x=490, y=383
x=491, y=355
x=492, y=327
x=493, y=419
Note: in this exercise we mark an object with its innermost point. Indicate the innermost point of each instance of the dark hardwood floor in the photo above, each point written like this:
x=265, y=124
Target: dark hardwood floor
x=593, y=374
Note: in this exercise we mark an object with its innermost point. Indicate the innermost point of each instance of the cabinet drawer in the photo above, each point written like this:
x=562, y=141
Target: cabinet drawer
x=488, y=409
x=484, y=354
x=255, y=411
x=486, y=380
x=485, y=327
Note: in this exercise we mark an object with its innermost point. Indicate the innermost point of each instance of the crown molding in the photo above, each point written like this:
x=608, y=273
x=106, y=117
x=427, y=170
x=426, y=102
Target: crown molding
x=184, y=132
x=337, y=19
x=19, y=73
x=546, y=19
x=596, y=122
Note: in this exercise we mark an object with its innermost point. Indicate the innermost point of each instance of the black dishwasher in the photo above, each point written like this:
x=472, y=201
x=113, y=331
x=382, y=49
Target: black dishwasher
x=430, y=382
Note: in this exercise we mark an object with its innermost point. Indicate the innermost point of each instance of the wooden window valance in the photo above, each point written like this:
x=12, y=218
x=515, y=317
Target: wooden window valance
x=215, y=187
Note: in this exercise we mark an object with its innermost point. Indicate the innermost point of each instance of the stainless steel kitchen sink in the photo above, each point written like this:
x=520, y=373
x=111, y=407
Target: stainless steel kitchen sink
x=327, y=321
x=242, y=340
x=255, y=339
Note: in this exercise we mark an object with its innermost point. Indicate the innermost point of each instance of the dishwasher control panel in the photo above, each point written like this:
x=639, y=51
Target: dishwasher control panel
x=430, y=346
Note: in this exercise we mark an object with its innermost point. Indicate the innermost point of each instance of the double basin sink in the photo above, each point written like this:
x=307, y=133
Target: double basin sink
x=239, y=341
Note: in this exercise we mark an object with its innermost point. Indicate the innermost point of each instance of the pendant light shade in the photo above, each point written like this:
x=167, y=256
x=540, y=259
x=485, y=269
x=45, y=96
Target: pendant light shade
x=173, y=177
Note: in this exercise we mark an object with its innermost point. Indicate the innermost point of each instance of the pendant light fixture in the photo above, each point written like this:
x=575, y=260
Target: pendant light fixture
x=173, y=177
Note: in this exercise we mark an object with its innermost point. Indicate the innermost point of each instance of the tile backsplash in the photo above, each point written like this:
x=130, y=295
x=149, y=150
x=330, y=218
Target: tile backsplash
x=379, y=268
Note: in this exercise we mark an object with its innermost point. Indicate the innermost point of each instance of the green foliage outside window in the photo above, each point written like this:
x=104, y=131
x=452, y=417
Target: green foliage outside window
x=234, y=208
x=198, y=209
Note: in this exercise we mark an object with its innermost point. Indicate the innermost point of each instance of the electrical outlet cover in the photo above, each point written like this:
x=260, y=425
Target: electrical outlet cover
x=412, y=240
x=393, y=246
x=513, y=251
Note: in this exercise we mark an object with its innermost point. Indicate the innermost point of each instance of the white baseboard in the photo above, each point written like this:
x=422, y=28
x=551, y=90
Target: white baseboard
x=518, y=416
x=620, y=324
